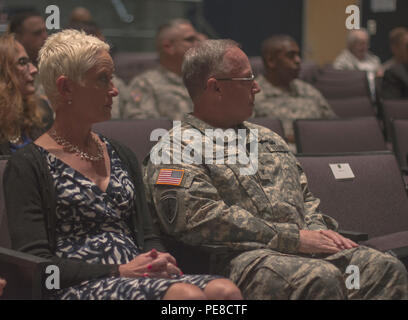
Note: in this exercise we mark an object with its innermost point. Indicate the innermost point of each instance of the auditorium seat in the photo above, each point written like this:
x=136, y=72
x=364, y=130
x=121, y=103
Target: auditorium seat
x=393, y=109
x=340, y=84
x=309, y=71
x=327, y=72
x=338, y=135
x=352, y=107
x=273, y=124
x=374, y=202
x=135, y=134
x=399, y=133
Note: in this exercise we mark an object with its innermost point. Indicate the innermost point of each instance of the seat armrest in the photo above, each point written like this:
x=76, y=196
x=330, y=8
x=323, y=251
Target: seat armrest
x=404, y=169
x=24, y=273
x=354, y=235
x=400, y=253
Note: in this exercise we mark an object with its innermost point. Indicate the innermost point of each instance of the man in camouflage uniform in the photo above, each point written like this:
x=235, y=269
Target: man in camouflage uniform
x=282, y=95
x=357, y=56
x=160, y=93
x=120, y=102
x=274, y=242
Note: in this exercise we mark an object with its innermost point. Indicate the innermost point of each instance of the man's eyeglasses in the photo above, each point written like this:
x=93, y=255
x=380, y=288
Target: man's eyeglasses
x=251, y=78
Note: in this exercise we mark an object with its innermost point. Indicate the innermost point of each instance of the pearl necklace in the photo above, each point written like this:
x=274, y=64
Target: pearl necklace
x=15, y=140
x=75, y=149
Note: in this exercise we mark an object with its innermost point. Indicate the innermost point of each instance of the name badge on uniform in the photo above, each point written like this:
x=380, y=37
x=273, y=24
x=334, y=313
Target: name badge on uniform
x=170, y=177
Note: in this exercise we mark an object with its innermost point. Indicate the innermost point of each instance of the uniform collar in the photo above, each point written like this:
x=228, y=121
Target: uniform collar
x=269, y=90
x=202, y=126
x=170, y=75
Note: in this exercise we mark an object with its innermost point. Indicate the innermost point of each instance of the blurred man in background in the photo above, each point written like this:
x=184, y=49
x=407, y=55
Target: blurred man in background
x=30, y=31
x=398, y=38
x=283, y=95
x=160, y=93
x=357, y=56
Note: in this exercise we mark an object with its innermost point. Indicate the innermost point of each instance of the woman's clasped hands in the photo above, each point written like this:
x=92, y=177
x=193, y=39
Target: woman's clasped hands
x=152, y=264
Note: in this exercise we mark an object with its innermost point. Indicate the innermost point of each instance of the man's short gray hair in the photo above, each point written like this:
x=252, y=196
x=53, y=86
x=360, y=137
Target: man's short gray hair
x=204, y=61
x=355, y=35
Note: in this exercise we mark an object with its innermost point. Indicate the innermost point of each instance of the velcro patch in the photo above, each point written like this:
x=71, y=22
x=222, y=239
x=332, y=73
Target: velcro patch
x=171, y=177
x=136, y=95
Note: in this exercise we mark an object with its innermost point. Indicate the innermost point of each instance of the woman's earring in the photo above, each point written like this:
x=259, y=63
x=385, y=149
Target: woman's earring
x=69, y=101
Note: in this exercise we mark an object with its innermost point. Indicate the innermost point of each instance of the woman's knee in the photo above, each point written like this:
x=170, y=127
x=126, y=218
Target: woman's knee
x=184, y=291
x=222, y=289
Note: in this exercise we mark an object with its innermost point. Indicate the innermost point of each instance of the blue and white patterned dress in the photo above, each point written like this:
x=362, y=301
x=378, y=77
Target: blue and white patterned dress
x=91, y=226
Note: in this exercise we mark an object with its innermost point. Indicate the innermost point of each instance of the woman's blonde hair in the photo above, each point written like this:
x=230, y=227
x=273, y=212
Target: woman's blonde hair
x=70, y=53
x=18, y=114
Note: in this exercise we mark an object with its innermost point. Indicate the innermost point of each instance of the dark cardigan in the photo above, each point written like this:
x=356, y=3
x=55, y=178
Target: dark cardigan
x=31, y=211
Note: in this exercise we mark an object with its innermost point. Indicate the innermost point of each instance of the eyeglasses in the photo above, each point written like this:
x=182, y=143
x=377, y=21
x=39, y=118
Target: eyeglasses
x=24, y=61
x=251, y=78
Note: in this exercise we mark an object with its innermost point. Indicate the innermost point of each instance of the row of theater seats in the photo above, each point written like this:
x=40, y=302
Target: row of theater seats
x=373, y=205
x=312, y=135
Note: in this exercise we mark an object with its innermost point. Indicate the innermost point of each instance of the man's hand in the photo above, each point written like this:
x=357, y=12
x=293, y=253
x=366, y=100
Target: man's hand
x=340, y=241
x=323, y=241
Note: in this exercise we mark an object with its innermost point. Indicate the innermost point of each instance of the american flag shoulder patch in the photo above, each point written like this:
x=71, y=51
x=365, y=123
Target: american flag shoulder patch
x=170, y=176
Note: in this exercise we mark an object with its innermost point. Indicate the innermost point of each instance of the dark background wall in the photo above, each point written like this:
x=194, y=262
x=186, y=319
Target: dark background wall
x=385, y=21
x=250, y=22
x=246, y=21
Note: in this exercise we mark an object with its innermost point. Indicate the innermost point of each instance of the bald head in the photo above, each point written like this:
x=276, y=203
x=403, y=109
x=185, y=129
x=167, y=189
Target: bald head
x=273, y=45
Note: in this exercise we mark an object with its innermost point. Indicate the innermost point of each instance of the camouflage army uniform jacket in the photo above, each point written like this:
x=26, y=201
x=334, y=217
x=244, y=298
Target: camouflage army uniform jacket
x=214, y=205
x=301, y=102
x=348, y=61
x=158, y=93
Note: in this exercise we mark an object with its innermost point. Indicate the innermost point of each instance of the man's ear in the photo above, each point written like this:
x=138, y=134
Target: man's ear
x=271, y=61
x=168, y=47
x=212, y=85
x=65, y=87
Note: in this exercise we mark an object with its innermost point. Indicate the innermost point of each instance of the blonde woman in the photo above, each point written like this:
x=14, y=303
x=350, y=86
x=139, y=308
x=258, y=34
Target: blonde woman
x=77, y=198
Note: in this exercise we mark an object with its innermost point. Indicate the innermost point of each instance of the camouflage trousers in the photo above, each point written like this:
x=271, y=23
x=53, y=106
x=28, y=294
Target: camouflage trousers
x=266, y=274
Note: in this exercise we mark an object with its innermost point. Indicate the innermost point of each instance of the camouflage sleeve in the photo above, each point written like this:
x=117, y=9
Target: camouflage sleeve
x=142, y=100
x=194, y=213
x=119, y=108
x=315, y=220
x=342, y=62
